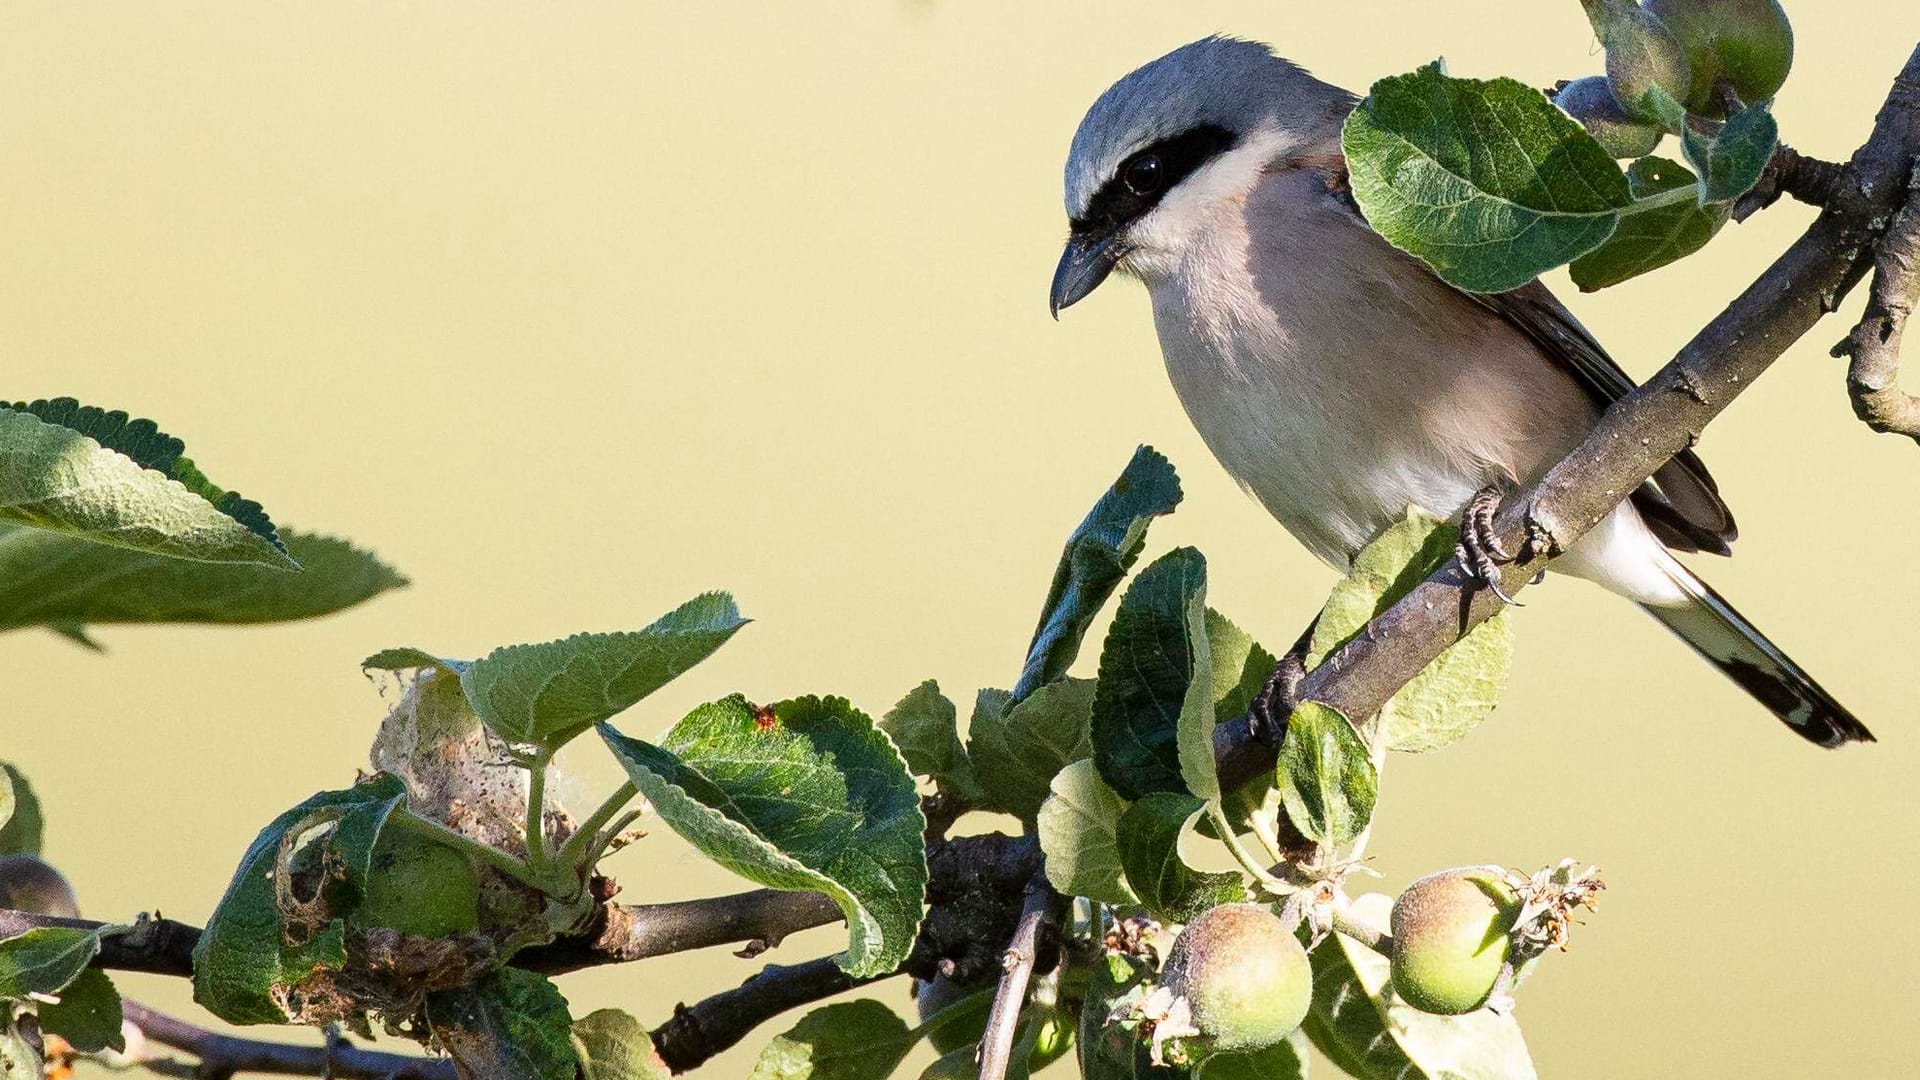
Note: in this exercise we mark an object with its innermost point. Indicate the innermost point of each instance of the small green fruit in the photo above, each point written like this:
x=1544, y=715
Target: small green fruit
x=1750, y=42
x=1643, y=55
x=1450, y=939
x=30, y=883
x=1591, y=101
x=965, y=1026
x=1244, y=975
x=418, y=887
x=1052, y=1041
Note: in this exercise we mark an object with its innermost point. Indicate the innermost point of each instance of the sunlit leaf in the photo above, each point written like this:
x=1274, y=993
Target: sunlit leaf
x=1153, y=710
x=21, y=824
x=1016, y=751
x=925, y=726
x=1326, y=779
x=87, y=1014
x=615, y=1045
x=853, y=1040
x=44, y=959
x=1078, y=828
x=1150, y=838
x=1651, y=239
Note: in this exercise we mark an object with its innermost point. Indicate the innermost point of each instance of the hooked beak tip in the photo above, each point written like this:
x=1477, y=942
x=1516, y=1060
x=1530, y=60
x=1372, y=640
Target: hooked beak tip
x=1086, y=262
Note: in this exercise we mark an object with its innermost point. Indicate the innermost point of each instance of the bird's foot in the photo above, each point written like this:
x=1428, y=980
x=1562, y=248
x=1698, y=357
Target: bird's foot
x=1480, y=552
x=1267, y=713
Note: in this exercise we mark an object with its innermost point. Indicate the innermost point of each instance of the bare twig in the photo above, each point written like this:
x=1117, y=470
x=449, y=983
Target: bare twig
x=697, y=1032
x=758, y=920
x=1031, y=935
x=1873, y=378
x=1789, y=172
x=153, y=945
x=224, y=1056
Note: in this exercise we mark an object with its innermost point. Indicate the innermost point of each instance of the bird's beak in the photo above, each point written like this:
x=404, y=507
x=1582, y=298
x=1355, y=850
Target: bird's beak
x=1089, y=258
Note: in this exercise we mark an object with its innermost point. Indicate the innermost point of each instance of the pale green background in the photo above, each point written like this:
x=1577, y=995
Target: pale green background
x=573, y=311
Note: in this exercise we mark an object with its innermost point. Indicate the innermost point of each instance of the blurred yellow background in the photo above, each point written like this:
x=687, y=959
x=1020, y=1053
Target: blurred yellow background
x=573, y=311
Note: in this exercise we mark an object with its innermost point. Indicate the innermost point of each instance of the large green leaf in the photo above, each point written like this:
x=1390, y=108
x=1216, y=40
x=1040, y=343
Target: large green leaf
x=925, y=726
x=87, y=1014
x=44, y=960
x=1647, y=240
x=1016, y=751
x=1150, y=836
x=61, y=582
x=548, y=693
x=1097, y=556
x=1352, y=1023
x=615, y=1045
x=1079, y=834
x=21, y=826
x=1732, y=159
x=1327, y=781
x=853, y=1040
x=1153, y=711
x=102, y=476
x=808, y=795
x=512, y=1026
x=1485, y=181
x=242, y=969
x=1460, y=688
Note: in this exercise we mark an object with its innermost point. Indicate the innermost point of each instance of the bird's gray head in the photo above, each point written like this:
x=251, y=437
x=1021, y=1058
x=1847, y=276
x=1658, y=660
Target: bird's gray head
x=1175, y=136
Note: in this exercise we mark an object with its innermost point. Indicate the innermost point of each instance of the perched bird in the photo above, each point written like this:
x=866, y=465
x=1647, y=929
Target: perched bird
x=1340, y=381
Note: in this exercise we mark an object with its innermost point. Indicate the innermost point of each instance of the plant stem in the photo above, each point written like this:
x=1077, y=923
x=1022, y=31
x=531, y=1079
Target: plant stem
x=537, y=808
x=582, y=840
x=492, y=856
x=1661, y=199
x=1240, y=854
x=1349, y=924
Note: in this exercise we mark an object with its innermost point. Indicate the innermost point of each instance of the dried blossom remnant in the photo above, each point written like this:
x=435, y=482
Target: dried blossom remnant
x=1549, y=899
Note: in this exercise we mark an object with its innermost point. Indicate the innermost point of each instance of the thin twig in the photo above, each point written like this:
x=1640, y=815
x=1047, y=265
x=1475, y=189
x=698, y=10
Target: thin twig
x=1030, y=935
x=697, y=1032
x=1873, y=378
x=1789, y=172
x=223, y=1056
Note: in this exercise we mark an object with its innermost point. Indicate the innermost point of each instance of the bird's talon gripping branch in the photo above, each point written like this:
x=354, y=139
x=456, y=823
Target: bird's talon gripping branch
x=1480, y=552
x=1267, y=713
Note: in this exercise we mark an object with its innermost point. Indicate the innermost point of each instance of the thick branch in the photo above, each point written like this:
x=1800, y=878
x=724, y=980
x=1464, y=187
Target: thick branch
x=153, y=945
x=1637, y=435
x=1873, y=378
x=698, y=1032
x=223, y=1056
x=759, y=919
x=1030, y=936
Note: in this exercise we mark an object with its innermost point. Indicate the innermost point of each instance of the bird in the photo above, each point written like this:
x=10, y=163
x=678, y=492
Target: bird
x=1341, y=382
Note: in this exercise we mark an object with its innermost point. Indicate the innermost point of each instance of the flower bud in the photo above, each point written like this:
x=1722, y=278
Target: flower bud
x=1748, y=42
x=1591, y=101
x=1643, y=55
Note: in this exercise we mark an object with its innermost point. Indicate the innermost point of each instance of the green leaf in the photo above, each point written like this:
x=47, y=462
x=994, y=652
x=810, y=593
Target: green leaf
x=87, y=1014
x=1153, y=710
x=1017, y=751
x=21, y=824
x=98, y=475
x=614, y=1045
x=1327, y=781
x=1285, y=1060
x=1150, y=836
x=19, y=1056
x=1078, y=827
x=956, y=1064
x=1097, y=556
x=44, y=959
x=242, y=970
x=1731, y=160
x=512, y=1026
x=853, y=1040
x=1650, y=239
x=1460, y=688
x=1354, y=1026
x=1485, y=181
x=61, y=582
x=1241, y=668
x=548, y=693
x=811, y=797
x=925, y=726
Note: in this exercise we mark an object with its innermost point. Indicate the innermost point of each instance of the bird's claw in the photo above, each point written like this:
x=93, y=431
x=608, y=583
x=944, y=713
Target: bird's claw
x=1480, y=552
x=1268, y=711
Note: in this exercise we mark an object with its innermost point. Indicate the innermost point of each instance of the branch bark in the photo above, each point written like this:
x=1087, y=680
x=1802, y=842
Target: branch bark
x=1873, y=378
x=224, y=1056
x=1022, y=958
x=698, y=1032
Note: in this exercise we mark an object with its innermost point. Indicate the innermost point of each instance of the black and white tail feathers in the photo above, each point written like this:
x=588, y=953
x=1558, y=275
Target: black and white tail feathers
x=1725, y=639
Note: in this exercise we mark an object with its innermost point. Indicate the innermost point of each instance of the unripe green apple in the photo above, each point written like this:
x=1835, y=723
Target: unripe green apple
x=1643, y=55
x=419, y=887
x=933, y=996
x=1244, y=975
x=30, y=883
x=1591, y=101
x=1450, y=939
x=1052, y=1041
x=1748, y=41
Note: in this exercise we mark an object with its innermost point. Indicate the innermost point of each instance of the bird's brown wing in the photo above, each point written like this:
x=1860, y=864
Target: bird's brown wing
x=1681, y=503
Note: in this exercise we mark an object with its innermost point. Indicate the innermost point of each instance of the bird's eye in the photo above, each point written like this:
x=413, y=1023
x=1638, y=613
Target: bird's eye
x=1142, y=175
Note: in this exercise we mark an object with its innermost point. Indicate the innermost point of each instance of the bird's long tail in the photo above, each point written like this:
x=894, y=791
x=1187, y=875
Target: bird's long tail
x=1729, y=642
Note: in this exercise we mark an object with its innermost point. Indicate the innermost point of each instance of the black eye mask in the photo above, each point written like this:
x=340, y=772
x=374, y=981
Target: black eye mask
x=1140, y=182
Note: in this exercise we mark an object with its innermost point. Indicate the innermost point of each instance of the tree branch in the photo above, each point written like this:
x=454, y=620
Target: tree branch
x=759, y=920
x=223, y=1056
x=1636, y=436
x=1873, y=378
x=698, y=1032
x=1030, y=936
